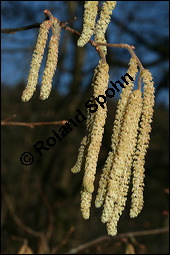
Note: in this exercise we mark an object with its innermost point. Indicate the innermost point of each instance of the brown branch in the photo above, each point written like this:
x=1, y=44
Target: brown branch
x=47, y=204
x=18, y=220
x=106, y=237
x=64, y=241
x=14, y=30
x=32, y=124
x=93, y=43
x=24, y=227
x=130, y=48
x=71, y=30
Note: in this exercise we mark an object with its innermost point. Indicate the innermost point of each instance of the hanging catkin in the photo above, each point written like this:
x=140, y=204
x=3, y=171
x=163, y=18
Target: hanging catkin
x=100, y=84
x=95, y=128
x=90, y=13
x=52, y=59
x=36, y=61
x=119, y=118
x=79, y=165
x=103, y=23
x=118, y=183
x=142, y=144
x=132, y=124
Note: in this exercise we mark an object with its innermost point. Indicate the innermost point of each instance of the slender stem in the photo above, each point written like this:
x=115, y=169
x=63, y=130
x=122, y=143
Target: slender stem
x=106, y=238
x=93, y=43
x=14, y=30
x=126, y=46
x=32, y=124
x=17, y=220
x=100, y=53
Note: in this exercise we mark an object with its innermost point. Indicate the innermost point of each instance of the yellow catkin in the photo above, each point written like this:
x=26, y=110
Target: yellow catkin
x=103, y=23
x=36, y=61
x=90, y=13
x=84, y=143
x=81, y=154
x=101, y=193
x=121, y=171
x=142, y=144
x=95, y=133
x=122, y=103
x=119, y=118
x=52, y=59
x=85, y=205
x=100, y=84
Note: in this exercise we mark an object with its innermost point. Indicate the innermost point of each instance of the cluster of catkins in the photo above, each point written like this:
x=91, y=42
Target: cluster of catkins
x=51, y=63
x=131, y=128
x=130, y=137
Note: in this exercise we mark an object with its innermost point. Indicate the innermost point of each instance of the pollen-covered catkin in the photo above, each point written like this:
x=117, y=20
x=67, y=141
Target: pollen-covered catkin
x=95, y=134
x=122, y=103
x=103, y=23
x=121, y=170
x=90, y=13
x=119, y=118
x=81, y=154
x=51, y=63
x=142, y=144
x=101, y=193
x=100, y=84
x=36, y=61
x=85, y=205
x=83, y=145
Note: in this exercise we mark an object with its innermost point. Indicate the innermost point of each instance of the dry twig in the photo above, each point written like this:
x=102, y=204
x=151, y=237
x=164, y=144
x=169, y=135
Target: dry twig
x=32, y=124
x=64, y=241
x=107, y=238
x=73, y=31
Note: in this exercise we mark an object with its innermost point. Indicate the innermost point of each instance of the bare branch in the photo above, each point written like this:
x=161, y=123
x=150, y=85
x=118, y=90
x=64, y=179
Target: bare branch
x=64, y=241
x=32, y=124
x=71, y=30
x=130, y=48
x=18, y=220
x=14, y=30
x=106, y=237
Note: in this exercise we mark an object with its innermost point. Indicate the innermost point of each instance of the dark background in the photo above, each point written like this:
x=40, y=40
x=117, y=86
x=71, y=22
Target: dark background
x=46, y=195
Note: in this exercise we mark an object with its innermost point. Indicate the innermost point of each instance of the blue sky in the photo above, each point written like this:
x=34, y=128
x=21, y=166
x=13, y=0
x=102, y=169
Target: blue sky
x=17, y=48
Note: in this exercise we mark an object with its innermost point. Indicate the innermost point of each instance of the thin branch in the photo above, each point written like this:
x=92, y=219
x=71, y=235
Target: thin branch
x=93, y=43
x=17, y=219
x=47, y=204
x=32, y=124
x=130, y=48
x=106, y=237
x=14, y=30
x=71, y=30
x=24, y=227
x=64, y=241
